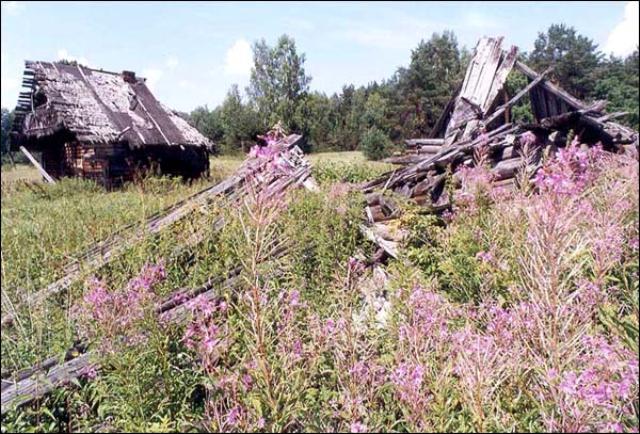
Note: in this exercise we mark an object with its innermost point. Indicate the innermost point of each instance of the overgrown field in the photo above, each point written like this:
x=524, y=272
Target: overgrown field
x=515, y=311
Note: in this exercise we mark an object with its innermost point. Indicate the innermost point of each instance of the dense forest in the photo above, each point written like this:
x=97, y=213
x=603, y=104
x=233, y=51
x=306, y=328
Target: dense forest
x=374, y=117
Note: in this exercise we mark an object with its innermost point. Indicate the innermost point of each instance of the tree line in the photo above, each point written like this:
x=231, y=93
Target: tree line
x=374, y=117
x=407, y=104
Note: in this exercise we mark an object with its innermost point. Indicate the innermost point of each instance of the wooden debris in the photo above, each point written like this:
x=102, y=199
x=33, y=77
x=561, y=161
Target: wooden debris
x=37, y=165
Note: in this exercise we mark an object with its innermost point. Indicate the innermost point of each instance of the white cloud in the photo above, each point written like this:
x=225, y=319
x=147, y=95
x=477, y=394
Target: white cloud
x=63, y=54
x=184, y=83
x=172, y=62
x=239, y=59
x=153, y=75
x=623, y=39
x=13, y=7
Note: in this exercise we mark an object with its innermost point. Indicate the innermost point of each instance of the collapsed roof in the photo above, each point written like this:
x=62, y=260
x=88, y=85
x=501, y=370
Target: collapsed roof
x=96, y=107
x=473, y=120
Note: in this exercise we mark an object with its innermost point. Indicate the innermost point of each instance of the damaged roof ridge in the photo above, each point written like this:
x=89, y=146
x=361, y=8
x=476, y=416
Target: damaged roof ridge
x=88, y=68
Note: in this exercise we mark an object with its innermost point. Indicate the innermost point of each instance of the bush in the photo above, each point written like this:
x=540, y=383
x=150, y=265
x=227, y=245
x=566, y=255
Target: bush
x=375, y=144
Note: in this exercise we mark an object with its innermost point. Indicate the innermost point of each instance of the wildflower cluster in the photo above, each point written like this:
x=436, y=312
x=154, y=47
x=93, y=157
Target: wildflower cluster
x=115, y=316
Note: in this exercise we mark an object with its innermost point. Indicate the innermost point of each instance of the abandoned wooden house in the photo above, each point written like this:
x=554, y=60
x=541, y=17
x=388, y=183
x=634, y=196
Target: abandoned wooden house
x=102, y=125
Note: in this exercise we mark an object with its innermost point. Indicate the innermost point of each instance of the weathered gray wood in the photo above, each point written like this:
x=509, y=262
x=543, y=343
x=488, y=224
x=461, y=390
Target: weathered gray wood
x=498, y=112
x=37, y=165
x=391, y=247
x=39, y=385
x=427, y=141
x=550, y=87
x=484, y=78
x=500, y=77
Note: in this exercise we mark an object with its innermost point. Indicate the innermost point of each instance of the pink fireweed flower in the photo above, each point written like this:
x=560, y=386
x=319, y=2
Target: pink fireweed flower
x=89, y=372
x=485, y=257
x=247, y=381
x=115, y=315
x=528, y=139
x=407, y=378
x=354, y=265
x=570, y=172
x=234, y=415
x=358, y=427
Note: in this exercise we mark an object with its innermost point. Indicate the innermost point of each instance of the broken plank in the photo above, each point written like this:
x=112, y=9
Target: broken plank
x=550, y=87
x=37, y=165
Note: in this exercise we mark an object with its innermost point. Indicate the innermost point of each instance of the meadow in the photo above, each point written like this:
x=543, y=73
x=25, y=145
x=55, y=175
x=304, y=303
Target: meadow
x=514, y=311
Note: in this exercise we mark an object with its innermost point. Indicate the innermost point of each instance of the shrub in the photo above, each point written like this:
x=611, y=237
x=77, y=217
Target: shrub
x=375, y=144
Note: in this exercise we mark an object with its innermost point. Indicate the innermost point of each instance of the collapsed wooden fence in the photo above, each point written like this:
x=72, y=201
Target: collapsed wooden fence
x=104, y=252
x=24, y=386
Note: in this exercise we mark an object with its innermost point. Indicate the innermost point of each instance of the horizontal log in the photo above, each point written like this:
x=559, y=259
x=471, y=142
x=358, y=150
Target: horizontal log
x=507, y=168
x=37, y=386
x=419, y=142
x=428, y=149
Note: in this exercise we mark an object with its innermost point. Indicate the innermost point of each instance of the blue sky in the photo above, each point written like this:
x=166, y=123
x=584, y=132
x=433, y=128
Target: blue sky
x=192, y=52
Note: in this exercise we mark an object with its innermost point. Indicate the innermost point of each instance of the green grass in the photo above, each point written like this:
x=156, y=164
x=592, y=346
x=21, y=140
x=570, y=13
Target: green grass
x=19, y=172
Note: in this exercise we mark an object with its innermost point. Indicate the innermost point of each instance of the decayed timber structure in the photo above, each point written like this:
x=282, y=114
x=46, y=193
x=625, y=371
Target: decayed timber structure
x=473, y=119
x=475, y=107
x=102, y=125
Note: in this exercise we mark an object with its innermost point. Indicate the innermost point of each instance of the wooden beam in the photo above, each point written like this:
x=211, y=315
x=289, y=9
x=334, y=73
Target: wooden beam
x=498, y=112
x=550, y=87
x=429, y=141
x=43, y=172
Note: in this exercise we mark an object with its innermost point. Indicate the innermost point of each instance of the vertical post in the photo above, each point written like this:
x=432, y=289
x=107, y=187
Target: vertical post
x=31, y=158
x=507, y=110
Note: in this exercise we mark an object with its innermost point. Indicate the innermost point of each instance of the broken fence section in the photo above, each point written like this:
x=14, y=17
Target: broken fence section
x=284, y=153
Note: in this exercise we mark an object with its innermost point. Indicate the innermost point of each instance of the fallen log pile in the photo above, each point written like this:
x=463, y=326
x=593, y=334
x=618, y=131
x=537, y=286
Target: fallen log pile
x=472, y=122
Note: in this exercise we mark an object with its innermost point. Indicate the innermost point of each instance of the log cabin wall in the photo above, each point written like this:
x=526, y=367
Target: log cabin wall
x=72, y=158
x=112, y=164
